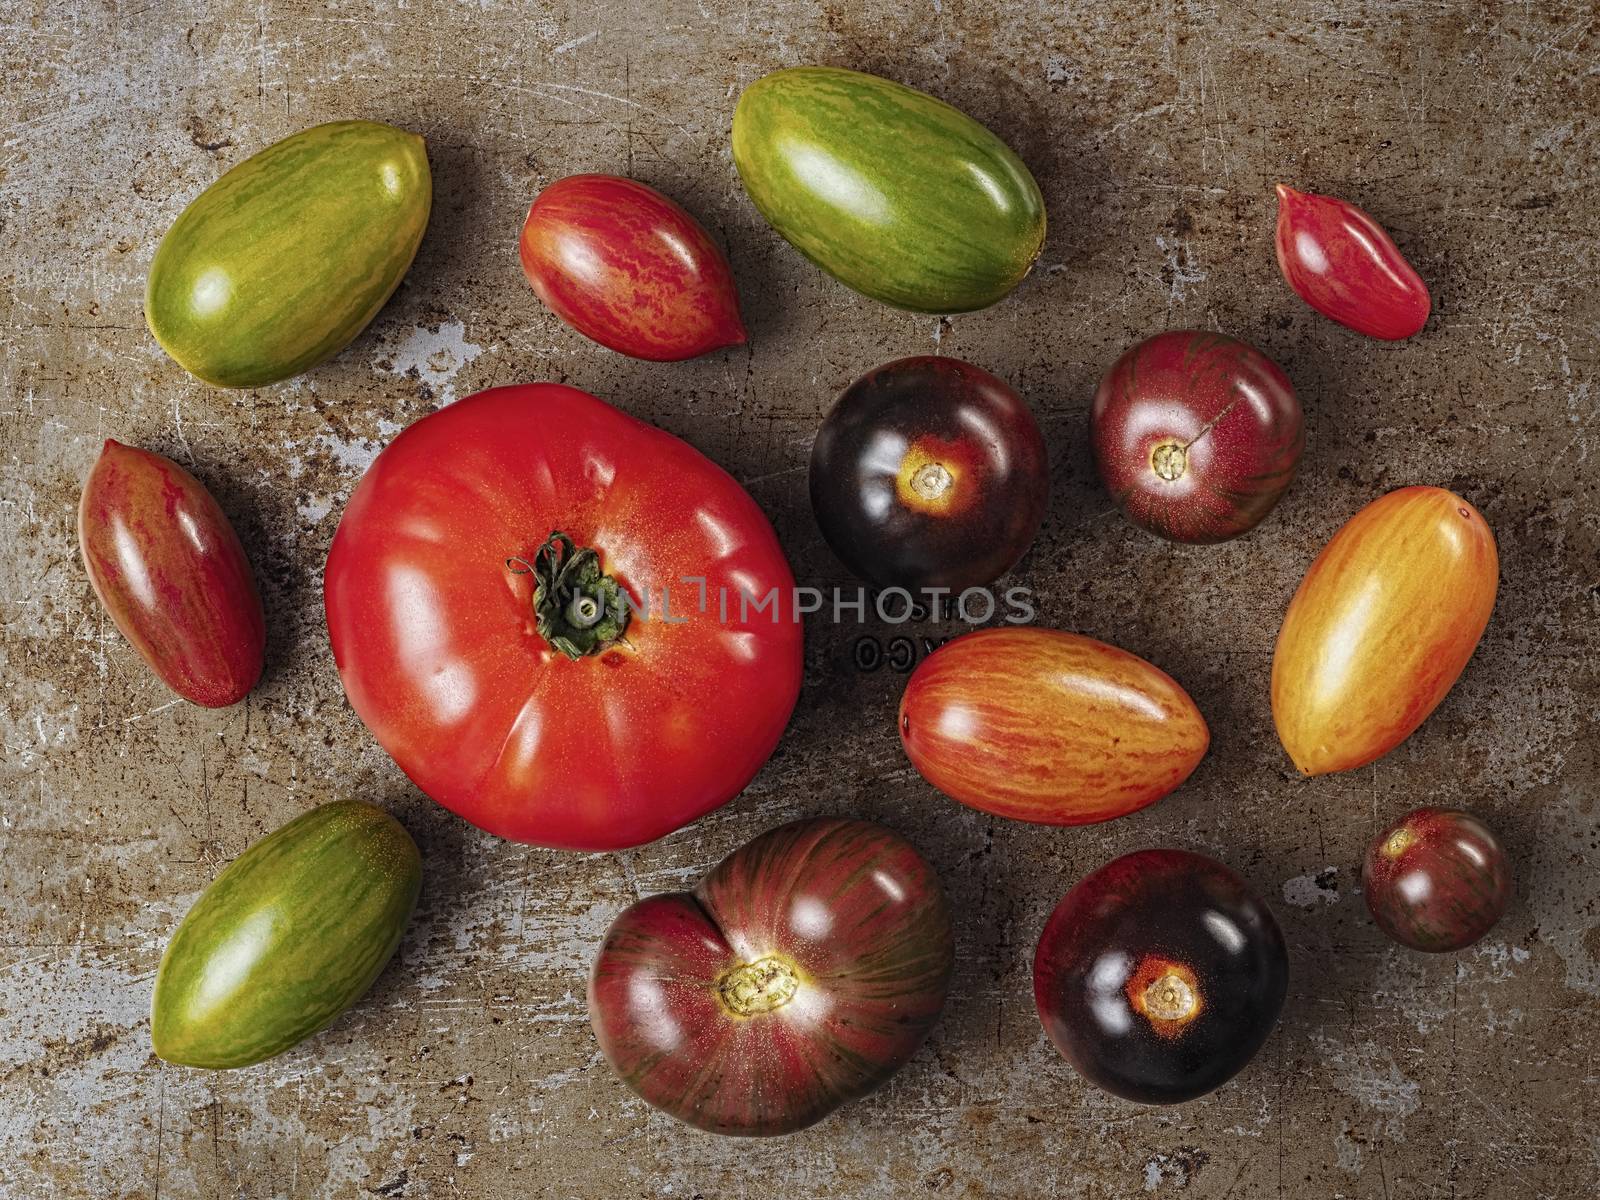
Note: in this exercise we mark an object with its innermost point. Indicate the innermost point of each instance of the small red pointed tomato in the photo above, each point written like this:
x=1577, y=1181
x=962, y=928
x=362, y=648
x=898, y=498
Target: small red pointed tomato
x=624, y=265
x=1050, y=727
x=1343, y=264
x=1381, y=627
x=1196, y=435
x=1159, y=976
x=1436, y=880
x=799, y=975
x=172, y=575
x=929, y=473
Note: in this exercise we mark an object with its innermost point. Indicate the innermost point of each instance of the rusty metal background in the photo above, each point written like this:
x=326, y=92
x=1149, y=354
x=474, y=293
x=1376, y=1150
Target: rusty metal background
x=1156, y=130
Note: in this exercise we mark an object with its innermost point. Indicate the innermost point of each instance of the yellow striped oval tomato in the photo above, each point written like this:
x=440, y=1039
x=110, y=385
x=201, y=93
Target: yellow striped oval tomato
x=1051, y=727
x=1381, y=627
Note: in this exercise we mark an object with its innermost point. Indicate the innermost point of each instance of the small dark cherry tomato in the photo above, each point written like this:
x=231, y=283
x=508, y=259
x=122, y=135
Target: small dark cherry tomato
x=1197, y=435
x=801, y=973
x=1160, y=975
x=172, y=575
x=629, y=268
x=1436, y=879
x=929, y=473
x=1342, y=263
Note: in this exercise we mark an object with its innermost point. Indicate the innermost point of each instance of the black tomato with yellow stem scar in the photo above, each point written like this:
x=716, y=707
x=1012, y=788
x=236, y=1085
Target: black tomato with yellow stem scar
x=929, y=473
x=1160, y=975
x=1196, y=435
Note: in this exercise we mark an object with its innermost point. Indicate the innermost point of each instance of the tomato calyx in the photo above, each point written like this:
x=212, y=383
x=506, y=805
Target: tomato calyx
x=578, y=608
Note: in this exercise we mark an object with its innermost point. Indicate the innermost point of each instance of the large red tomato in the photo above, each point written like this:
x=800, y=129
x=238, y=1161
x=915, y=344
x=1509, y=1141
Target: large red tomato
x=566, y=625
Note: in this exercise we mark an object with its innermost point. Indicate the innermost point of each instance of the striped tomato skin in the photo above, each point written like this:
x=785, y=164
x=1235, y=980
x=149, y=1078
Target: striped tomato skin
x=172, y=575
x=892, y=192
x=627, y=267
x=1046, y=726
x=279, y=264
x=1346, y=266
x=289, y=935
x=1436, y=880
x=800, y=974
x=1381, y=627
x=1196, y=435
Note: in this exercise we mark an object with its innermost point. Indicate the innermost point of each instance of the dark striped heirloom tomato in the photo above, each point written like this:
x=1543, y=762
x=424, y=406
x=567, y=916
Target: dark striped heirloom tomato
x=1197, y=435
x=564, y=624
x=799, y=975
x=1347, y=267
x=1160, y=975
x=627, y=267
x=1436, y=879
x=1046, y=726
x=172, y=575
x=929, y=473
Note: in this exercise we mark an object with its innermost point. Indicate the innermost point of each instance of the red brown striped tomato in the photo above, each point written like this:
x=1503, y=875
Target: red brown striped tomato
x=1197, y=435
x=625, y=266
x=1381, y=627
x=1436, y=880
x=172, y=575
x=1045, y=726
x=801, y=973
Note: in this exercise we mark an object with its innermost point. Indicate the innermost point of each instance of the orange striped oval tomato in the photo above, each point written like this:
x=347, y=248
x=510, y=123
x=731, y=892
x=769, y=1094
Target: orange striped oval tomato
x=1051, y=727
x=1383, y=623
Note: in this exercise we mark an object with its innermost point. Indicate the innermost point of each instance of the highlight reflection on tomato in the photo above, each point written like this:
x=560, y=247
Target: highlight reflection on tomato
x=172, y=574
x=1196, y=435
x=929, y=473
x=1160, y=975
x=475, y=596
x=800, y=974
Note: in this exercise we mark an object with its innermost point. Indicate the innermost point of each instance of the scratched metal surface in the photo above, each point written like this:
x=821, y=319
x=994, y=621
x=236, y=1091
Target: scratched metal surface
x=1156, y=130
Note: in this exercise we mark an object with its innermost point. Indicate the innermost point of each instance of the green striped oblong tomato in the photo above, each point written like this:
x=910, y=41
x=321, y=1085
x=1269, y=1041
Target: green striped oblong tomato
x=279, y=264
x=288, y=936
x=896, y=194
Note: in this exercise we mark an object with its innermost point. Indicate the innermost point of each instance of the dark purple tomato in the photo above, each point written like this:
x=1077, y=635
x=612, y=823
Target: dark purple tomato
x=801, y=973
x=1159, y=976
x=1436, y=879
x=1197, y=435
x=929, y=473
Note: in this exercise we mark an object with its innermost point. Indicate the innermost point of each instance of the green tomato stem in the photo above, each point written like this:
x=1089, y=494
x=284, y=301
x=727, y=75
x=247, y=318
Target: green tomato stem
x=578, y=608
